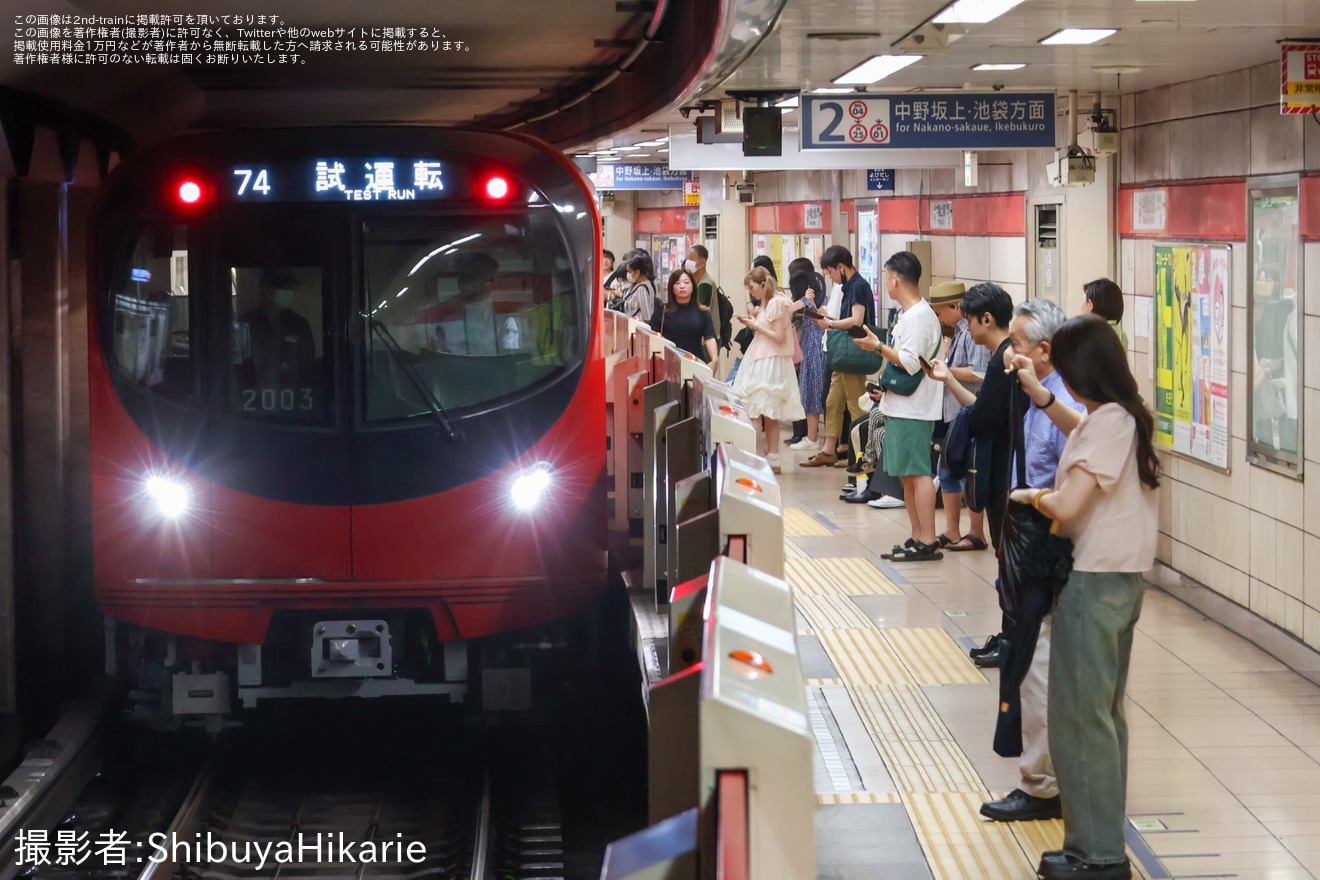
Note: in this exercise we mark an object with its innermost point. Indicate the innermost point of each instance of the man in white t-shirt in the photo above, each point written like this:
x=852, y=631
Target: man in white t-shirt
x=910, y=419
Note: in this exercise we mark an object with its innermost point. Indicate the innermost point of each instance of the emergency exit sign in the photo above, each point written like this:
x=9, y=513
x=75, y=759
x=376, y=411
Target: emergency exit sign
x=1300, y=78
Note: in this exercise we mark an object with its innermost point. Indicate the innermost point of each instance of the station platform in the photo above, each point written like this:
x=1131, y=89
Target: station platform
x=1224, y=777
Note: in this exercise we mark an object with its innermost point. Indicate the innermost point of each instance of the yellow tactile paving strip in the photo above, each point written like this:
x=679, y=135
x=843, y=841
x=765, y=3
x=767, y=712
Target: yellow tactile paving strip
x=860, y=797
x=863, y=657
x=808, y=579
x=932, y=656
x=858, y=577
x=800, y=523
x=793, y=551
x=832, y=612
x=837, y=577
x=959, y=844
x=883, y=670
x=1036, y=837
x=918, y=750
x=823, y=682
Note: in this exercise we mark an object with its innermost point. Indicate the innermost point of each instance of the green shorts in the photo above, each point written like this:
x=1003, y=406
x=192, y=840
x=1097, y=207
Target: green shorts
x=907, y=447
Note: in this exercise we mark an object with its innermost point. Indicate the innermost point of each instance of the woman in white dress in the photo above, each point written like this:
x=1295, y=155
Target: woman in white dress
x=767, y=382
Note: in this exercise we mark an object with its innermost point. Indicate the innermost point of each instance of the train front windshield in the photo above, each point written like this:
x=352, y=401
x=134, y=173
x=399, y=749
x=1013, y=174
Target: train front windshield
x=471, y=309
x=279, y=313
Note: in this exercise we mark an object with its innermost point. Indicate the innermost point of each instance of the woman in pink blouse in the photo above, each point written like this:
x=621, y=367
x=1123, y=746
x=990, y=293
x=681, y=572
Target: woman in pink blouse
x=766, y=380
x=1104, y=499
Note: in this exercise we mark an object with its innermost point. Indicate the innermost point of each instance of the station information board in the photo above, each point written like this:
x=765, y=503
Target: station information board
x=996, y=120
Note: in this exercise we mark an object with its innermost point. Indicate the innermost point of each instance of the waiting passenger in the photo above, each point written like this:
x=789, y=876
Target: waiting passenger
x=1104, y=499
x=684, y=321
x=910, y=419
x=1105, y=298
x=807, y=286
x=968, y=361
x=988, y=309
x=766, y=381
x=640, y=302
x=1037, y=795
x=706, y=289
x=856, y=308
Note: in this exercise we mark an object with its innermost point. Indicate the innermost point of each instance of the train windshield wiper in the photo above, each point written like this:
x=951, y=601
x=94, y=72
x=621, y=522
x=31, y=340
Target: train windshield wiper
x=410, y=370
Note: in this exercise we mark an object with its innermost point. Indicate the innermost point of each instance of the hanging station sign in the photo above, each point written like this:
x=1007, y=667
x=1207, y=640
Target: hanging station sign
x=965, y=122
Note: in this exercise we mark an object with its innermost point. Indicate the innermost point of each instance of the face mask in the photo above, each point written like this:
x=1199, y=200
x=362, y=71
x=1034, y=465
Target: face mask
x=690, y=265
x=284, y=298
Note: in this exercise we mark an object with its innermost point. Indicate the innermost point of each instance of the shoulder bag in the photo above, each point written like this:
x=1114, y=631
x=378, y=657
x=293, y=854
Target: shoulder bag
x=899, y=381
x=846, y=356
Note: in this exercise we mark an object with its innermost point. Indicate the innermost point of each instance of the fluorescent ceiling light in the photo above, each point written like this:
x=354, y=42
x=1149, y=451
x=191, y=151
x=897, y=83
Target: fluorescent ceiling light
x=999, y=67
x=626, y=149
x=788, y=103
x=829, y=91
x=974, y=11
x=639, y=156
x=876, y=68
x=1078, y=36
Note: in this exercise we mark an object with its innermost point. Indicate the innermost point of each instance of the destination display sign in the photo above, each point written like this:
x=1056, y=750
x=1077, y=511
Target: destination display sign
x=916, y=121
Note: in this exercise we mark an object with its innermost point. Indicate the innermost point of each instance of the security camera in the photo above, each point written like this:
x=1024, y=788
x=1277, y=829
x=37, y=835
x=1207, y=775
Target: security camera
x=998, y=87
x=686, y=111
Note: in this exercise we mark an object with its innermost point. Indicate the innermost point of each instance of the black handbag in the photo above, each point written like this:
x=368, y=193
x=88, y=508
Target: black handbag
x=1034, y=565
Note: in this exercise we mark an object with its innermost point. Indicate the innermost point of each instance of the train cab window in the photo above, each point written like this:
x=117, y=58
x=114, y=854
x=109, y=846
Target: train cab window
x=463, y=311
x=279, y=367
x=150, y=313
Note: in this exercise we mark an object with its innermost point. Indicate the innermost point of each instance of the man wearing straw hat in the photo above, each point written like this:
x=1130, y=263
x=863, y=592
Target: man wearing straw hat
x=968, y=362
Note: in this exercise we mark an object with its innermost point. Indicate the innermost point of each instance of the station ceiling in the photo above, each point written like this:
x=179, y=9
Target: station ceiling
x=527, y=55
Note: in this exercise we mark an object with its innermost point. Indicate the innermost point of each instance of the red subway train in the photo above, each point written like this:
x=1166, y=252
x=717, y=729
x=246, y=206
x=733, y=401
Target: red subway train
x=347, y=407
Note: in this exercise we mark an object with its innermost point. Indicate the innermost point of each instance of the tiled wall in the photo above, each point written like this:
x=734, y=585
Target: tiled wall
x=1250, y=534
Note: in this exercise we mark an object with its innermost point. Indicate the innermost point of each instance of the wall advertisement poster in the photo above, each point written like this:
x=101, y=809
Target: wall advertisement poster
x=1192, y=335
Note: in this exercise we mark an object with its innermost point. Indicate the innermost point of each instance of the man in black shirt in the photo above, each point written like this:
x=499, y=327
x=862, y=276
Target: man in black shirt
x=857, y=307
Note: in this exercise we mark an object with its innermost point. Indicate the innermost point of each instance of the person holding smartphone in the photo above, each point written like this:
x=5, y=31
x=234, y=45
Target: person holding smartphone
x=808, y=287
x=856, y=307
x=988, y=309
x=766, y=381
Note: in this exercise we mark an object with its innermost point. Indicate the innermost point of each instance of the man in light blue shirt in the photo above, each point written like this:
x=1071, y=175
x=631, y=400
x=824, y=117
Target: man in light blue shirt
x=1033, y=325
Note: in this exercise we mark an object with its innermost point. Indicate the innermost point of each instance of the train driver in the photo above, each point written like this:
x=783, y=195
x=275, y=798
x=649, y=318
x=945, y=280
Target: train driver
x=280, y=348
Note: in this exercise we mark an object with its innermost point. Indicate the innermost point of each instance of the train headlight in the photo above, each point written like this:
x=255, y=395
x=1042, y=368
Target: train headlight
x=171, y=498
x=530, y=487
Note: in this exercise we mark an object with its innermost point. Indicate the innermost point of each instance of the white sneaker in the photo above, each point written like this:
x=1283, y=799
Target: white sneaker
x=885, y=502
x=804, y=445
x=773, y=460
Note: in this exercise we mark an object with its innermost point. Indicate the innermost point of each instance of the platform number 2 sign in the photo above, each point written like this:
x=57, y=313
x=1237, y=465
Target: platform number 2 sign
x=859, y=122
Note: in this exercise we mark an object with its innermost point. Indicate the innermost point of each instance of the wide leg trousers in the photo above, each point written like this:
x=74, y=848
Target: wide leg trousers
x=1093, y=625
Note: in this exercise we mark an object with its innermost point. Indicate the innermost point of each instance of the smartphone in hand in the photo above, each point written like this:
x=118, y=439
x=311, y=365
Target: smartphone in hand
x=857, y=332
x=813, y=314
x=925, y=364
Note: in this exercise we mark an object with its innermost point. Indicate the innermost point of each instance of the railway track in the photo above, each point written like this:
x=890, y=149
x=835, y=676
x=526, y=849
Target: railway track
x=438, y=802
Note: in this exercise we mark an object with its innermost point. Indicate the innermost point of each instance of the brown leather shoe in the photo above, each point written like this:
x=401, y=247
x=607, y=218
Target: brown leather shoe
x=820, y=459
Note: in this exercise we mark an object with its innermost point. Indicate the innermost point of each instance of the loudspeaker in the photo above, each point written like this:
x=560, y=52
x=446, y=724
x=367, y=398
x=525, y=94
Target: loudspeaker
x=763, y=131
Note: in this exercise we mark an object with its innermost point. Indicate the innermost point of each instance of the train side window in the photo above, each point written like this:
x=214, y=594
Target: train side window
x=150, y=315
x=280, y=370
